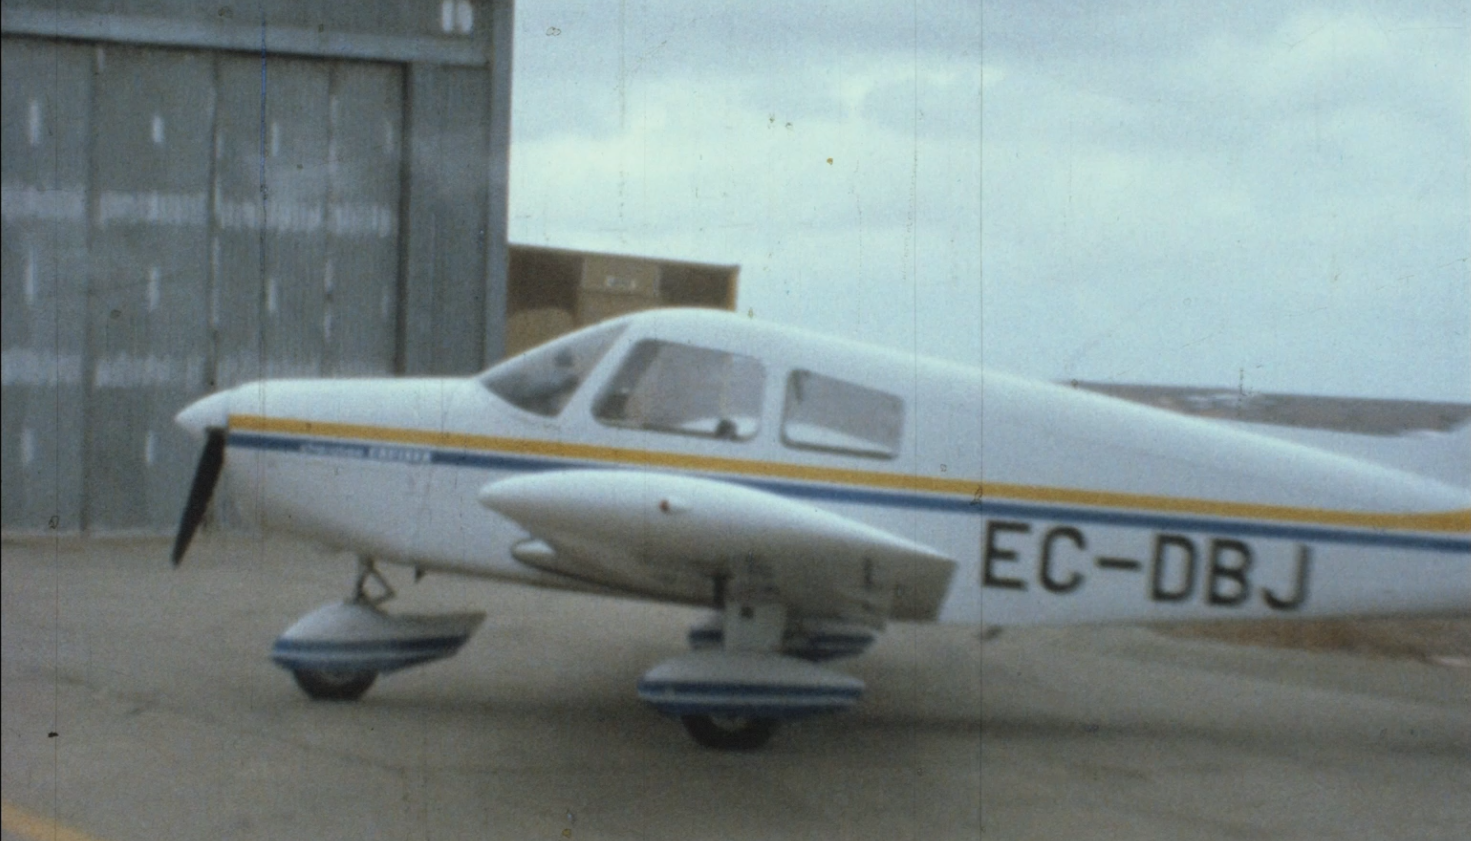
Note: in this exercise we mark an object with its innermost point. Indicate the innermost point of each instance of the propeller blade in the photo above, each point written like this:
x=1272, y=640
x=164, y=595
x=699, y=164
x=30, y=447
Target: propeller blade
x=205, y=477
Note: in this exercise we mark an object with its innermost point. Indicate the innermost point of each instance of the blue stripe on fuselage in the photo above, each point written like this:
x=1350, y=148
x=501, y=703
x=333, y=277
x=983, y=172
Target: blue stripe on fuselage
x=889, y=499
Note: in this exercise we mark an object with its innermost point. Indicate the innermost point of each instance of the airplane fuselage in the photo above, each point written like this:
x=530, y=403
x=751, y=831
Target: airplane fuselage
x=1056, y=506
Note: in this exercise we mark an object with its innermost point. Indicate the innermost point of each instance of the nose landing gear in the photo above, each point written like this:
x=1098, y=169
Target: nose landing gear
x=336, y=651
x=323, y=685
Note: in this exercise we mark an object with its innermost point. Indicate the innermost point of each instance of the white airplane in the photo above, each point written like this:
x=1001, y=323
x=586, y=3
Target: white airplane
x=810, y=490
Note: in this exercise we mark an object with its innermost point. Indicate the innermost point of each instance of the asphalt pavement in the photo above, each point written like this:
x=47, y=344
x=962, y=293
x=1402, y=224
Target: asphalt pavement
x=139, y=703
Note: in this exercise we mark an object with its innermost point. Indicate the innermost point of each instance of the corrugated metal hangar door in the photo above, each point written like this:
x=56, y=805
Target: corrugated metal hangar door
x=44, y=168
x=177, y=221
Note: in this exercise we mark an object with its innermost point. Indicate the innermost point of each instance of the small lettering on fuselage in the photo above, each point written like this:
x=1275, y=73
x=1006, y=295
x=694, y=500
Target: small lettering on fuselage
x=406, y=455
x=1172, y=568
x=369, y=452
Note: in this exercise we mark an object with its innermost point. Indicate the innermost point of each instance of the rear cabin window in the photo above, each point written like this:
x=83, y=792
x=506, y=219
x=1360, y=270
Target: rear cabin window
x=835, y=416
x=685, y=389
x=543, y=379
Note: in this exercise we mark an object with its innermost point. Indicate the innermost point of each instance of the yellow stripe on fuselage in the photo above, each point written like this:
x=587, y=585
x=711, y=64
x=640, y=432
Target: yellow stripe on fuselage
x=1455, y=521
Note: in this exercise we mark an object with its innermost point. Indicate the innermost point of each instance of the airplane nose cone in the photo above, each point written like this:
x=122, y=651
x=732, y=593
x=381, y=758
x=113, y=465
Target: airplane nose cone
x=212, y=412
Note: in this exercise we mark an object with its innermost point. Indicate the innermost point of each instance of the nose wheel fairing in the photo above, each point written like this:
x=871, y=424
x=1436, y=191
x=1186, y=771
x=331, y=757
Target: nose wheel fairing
x=327, y=647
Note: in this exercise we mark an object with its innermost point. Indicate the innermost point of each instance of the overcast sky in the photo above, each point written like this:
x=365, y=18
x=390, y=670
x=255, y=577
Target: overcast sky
x=1276, y=195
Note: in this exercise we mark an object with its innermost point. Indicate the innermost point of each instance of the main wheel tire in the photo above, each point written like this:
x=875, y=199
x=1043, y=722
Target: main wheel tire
x=333, y=686
x=729, y=732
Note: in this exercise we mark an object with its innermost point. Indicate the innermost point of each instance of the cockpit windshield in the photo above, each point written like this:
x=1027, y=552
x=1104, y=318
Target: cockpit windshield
x=543, y=379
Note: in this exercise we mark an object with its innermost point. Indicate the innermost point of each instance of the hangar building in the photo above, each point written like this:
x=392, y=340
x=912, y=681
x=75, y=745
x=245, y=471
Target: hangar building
x=202, y=194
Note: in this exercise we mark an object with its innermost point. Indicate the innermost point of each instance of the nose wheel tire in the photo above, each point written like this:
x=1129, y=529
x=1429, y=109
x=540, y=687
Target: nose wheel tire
x=722, y=732
x=322, y=685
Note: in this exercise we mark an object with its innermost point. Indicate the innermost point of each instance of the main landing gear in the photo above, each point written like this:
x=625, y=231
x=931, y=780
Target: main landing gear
x=729, y=732
x=733, y=690
x=336, y=652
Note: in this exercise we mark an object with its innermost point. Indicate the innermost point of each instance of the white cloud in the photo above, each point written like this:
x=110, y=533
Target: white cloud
x=1132, y=192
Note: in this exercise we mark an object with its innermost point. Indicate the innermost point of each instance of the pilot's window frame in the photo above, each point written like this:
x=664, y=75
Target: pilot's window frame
x=616, y=405
x=809, y=427
x=544, y=380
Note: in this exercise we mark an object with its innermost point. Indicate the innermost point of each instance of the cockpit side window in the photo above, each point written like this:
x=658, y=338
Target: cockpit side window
x=685, y=389
x=543, y=379
x=822, y=413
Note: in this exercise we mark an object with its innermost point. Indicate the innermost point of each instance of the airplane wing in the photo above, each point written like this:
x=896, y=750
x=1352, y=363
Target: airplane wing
x=1430, y=439
x=665, y=535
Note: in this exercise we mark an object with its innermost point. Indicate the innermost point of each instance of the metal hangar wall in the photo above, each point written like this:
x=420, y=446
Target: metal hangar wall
x=202, y=194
